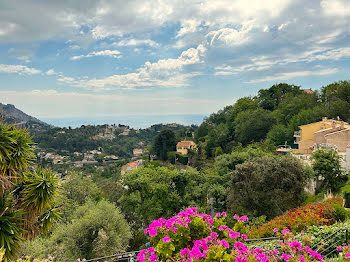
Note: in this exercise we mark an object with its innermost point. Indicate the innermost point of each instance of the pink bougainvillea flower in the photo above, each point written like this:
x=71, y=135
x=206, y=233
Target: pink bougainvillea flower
x=153, y=232
x=225, y=244
x=166, y=239
x=153, y=258
x=244, y=237
x=243, y=218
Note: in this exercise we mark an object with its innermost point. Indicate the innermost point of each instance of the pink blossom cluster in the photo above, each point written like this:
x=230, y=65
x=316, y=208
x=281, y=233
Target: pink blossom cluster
x=242, y=218
x=191, y=236
x=182, y=219
x=296, y=250
x=201, y=247
x=147, y=255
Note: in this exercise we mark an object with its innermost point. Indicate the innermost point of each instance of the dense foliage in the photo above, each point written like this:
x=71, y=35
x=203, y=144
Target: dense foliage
x=328, y=170
x=267, y=186
x=164, y=142
x=274, y=114
x=94, y=229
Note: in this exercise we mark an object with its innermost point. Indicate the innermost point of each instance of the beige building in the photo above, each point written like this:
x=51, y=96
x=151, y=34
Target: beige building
x=327, y=133
x=183, y=146
x=138, y=152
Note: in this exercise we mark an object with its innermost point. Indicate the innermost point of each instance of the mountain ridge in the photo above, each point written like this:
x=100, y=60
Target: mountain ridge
x=9, y=113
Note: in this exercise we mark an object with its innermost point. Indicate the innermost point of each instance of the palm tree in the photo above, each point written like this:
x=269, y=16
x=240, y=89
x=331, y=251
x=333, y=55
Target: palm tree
x=16, y=154
x=39, y=191
x=27, y=196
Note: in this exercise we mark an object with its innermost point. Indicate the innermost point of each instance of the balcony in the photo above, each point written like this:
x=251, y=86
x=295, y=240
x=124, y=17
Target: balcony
x=297, y=133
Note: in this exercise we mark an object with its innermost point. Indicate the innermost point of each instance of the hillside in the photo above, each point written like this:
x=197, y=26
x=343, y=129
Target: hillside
x=13, y=115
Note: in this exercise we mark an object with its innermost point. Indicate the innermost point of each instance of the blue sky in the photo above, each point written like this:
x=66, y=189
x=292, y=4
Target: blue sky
x=94, y=58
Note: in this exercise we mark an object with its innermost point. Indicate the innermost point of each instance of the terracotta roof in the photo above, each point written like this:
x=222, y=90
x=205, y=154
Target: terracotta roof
x=185, y=143
x=308, y=91
x=348, y=145
x=131, y=165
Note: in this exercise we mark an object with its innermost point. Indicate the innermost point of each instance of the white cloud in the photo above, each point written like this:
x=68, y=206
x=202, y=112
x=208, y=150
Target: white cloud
x=336, y=7
x=289, y=75
x=165, y=73
x=117, y=18
x=227, y=37
x=110, y=53
x=51, y=72
x=263, y=63
x=74, y=47
x=137, y=42
x=188, y=26
x=19, y=69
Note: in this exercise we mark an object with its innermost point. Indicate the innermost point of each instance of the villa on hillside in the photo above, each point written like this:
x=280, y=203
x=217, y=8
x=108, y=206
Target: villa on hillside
x=131, y=166
x=328, y=133
x=325, y=134
x=183, y=146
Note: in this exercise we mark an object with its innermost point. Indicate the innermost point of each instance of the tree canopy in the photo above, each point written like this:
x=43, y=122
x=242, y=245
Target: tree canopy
x=267, y=186
x=164, y=142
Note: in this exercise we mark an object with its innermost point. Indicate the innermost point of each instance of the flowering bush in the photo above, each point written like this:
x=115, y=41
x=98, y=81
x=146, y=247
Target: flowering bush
x=299, y=219
x=191, y=236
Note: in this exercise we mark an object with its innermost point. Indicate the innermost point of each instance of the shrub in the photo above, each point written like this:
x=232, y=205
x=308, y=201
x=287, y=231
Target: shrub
x=174, y=156
x=340, y=213
x=299, y=219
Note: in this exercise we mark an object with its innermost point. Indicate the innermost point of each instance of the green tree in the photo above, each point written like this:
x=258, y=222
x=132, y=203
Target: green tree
x=270, y=98
x=292, y=104
x=76, y=191
x=159, y=192
x=279, y=134
x=267, y=186
x=328, y=170
x=253, y=125
x=164, y=142
x=336, y=97
x=96, y=229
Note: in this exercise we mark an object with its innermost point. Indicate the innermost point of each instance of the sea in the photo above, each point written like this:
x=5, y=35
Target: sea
x=134, y=121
